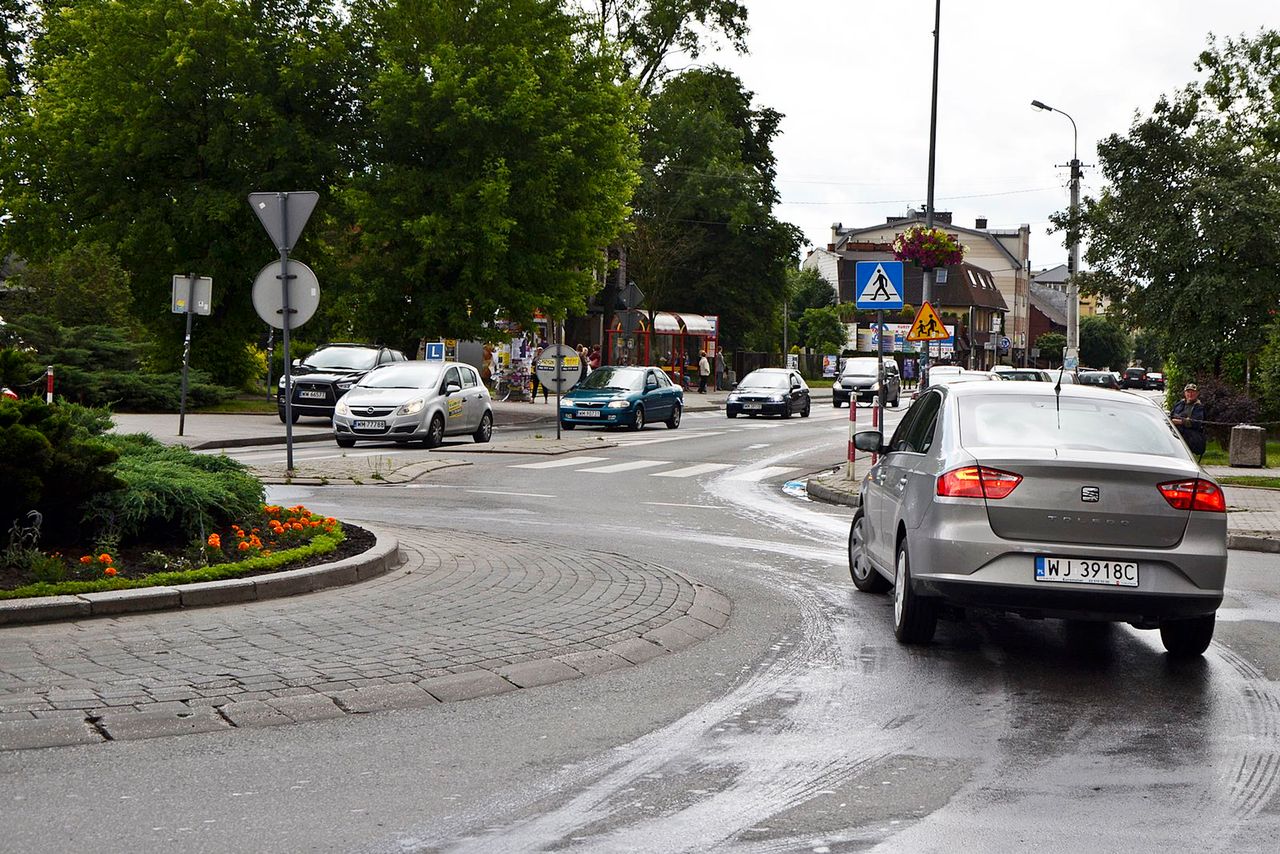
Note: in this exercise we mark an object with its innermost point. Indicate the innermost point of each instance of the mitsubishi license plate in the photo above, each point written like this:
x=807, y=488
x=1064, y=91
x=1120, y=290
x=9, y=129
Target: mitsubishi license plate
x=1071, y=570
x=370, y=425
x=312, y=395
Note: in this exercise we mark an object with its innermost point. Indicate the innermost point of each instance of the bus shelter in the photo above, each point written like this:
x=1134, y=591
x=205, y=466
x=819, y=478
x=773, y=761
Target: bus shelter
x=672, y=341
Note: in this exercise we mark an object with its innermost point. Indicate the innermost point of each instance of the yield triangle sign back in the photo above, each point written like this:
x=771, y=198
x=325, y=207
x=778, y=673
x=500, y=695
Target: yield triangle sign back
x=927, y=326
x=878, y=285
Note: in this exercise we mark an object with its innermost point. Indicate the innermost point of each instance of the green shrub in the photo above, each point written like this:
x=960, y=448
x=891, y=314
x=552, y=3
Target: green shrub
x=52, y=460
x=167, y=488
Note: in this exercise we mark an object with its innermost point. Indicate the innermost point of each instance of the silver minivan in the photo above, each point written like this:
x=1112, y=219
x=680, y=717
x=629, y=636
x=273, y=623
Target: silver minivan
x=415, y=401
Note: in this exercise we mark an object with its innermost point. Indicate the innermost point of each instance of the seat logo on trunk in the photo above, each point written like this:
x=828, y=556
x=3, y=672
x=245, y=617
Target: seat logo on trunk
x=1090, y=493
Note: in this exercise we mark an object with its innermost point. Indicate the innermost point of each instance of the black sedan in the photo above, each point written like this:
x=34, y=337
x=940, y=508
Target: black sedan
x=1106, y=379
x=769, y=391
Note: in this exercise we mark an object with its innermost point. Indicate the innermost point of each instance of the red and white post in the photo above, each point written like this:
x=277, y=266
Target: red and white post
x=853, y=428
x=48, y=384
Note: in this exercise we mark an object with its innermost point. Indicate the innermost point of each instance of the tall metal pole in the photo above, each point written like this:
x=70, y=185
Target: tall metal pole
x=186, y=353
x=927, y=286
x=284, y=305
x=1073, y=235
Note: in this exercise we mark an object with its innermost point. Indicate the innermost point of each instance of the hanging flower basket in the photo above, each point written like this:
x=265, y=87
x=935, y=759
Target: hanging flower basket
x=927, y=248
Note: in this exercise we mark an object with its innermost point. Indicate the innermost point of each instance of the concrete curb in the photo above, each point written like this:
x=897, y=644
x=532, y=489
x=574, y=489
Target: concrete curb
x=820, y=491
x=1253, y=543
x=381, y=558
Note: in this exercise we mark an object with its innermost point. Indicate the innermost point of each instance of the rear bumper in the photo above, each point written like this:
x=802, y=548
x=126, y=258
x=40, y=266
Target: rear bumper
x=1114, y=604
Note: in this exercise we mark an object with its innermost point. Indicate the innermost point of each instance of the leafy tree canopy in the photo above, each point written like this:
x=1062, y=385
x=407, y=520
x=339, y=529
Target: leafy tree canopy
x=821, y=330
x=1179, y=240
x=501, y=159
x=807, y=289
x=1050, y=345
x=1104, y=344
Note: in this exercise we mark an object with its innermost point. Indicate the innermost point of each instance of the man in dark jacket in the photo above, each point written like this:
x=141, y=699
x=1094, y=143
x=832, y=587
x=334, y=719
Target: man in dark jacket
x=1188, y=417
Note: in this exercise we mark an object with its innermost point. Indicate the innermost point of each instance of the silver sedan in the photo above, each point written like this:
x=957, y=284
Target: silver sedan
x=1075, y=503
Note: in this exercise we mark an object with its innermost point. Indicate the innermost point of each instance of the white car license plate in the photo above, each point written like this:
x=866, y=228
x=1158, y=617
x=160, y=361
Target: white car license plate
x=312, y=394
x=371, y=425
x=753, y=406
x=1074, y=570
x=588, y=413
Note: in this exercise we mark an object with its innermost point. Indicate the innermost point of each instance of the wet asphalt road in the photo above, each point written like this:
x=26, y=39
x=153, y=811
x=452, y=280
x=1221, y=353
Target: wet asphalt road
x=802, y=726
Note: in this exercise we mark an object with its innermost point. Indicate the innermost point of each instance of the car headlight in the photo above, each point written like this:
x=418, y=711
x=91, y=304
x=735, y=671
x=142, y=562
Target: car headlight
x=775, y=398
x=875, y=386
x=343, y=409
x=733, y=397
x=412, y=407
x=345, y=385
x=567, y=404
x=618, y=404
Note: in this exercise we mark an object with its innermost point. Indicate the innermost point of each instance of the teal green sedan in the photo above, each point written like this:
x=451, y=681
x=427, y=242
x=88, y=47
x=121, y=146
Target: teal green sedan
x=614, y=396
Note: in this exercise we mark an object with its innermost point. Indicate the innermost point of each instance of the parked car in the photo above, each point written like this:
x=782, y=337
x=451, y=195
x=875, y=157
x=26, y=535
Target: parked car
x=614, y=395
x=859, y=379
x=1105, y=379
x=415, y=401
x=1155, y=380
x=327, y=373
x=769, y=391
x=1134, y=378
x=1034, y=375
x=958, y=376
x=1065, y=504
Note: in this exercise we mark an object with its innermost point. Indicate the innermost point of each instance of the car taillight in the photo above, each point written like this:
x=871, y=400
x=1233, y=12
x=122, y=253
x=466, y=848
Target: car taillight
x=1194, y=494
x=978, y=482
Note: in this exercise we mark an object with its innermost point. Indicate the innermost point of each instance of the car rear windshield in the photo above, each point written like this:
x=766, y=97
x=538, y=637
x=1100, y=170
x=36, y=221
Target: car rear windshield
x=1072, y=423
x=349, y=358
x=860, y=368
x=403, y=375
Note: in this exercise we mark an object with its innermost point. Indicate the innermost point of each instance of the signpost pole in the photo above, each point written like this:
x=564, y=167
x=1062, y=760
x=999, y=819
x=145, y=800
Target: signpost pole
x=284, y=302
x=559, y=373
x=186, y=353
x=877, y=414
x=271, y=351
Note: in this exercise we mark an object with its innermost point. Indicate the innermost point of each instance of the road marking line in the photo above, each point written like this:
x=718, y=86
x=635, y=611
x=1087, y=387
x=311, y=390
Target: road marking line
x=621, y=440
x=756, y=447
x=631, y=466
x=692, y=471
x=669, y=504
x=759, y=474
x=517, y=494
x=555, y=464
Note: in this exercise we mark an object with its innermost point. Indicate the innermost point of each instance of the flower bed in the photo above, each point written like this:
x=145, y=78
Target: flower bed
x=278, y=538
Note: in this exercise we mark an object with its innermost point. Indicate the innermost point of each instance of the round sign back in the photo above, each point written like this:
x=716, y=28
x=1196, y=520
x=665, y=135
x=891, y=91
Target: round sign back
x=268, y=296
x=570, y=367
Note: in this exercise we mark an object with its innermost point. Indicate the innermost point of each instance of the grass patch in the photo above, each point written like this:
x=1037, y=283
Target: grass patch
x=241, y=405
x=1216, y=453
x=1250, y=480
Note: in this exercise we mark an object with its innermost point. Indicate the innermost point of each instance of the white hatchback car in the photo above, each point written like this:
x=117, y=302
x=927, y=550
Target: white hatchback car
x=415, y=401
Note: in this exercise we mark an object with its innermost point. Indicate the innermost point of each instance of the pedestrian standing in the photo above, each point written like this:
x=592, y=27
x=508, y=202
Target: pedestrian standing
x=909, y=373
x=704, y=371
x=594, y=362
x=719, y=370
x=1188, y=417
x=533, y=397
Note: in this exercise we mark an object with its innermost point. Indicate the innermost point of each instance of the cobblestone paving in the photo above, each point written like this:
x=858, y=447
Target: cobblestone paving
x=461, y=618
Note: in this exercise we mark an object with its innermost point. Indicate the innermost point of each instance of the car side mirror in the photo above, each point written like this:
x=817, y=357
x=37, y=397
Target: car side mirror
x=871, y=441
x=452, y=388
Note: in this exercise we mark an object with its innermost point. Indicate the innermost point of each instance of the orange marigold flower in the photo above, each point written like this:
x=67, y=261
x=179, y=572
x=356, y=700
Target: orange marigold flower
x=111, y=570
x=239, y=533
x=297, y=526
x=215, y=541
x=104, y=558
x=86, y=559
x=244, y=546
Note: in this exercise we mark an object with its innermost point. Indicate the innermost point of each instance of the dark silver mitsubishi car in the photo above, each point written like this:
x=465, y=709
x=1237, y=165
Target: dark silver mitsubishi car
x=1045, y=501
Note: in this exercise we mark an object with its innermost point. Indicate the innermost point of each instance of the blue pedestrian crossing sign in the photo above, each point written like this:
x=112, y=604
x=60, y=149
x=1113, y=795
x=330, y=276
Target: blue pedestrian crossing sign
x=435, y=351
x=878, y=285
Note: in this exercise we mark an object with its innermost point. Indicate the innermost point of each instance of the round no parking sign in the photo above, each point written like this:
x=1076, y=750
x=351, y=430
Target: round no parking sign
x=570, y=367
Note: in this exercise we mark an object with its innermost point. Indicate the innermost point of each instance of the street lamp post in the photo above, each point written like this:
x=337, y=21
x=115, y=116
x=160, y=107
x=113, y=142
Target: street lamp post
x=1073, y=235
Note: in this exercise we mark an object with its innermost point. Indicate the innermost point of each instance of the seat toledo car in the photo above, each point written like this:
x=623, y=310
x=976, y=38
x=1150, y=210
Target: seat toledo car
x=1077, y=504
x=618, y=395
x=769, y=391
x=415, y=401
x=859, y=379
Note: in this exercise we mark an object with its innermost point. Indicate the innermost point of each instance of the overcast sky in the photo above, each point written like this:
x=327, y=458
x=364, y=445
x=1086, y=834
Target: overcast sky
x=853, y=79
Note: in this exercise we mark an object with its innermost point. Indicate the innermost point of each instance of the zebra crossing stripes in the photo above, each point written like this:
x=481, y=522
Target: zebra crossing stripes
x=631, y=466
x=759, y=474
x=693, y=471
x=561, y=463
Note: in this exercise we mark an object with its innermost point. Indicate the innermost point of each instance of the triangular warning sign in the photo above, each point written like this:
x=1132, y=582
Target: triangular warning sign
x=927, y=326
x=879, y=289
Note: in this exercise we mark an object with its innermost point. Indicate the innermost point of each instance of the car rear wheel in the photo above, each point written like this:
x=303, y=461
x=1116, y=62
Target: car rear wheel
x=485, y=431
x=674, y=421
x=915, y=617
x=345, y=441
x=637, y=423
x=1187, y=638
x=865, y=578
x=435, y=433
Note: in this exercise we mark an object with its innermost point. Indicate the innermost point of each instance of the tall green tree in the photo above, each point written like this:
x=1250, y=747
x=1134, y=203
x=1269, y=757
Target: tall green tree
x=501, y=159
x=708, y=190
x=1179, y=239
x=821, y=330
x=807, y=289
x=83, y=286
x=1104, y=343
x=145, y=126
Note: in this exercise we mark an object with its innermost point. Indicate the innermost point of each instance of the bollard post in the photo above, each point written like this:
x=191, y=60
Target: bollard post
x=853, y=428
x=48, y=385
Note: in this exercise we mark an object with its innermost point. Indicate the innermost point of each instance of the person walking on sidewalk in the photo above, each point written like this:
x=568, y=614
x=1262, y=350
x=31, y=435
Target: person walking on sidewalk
x=704, y=371
x=719, y=369
x=1188, y=417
